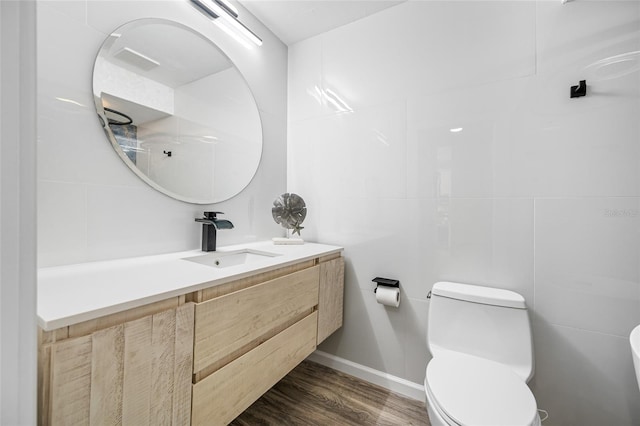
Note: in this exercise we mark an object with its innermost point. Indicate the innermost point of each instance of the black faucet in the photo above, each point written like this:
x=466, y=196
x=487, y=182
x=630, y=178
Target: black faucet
x=210, y=225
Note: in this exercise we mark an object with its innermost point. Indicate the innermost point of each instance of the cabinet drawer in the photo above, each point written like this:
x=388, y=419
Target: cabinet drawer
x=226, y=393
x=245, y=318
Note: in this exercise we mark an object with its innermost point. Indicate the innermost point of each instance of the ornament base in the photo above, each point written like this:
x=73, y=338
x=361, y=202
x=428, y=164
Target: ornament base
x=287, y=241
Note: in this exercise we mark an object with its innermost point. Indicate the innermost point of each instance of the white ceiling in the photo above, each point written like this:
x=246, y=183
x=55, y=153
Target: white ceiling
x=296, y=20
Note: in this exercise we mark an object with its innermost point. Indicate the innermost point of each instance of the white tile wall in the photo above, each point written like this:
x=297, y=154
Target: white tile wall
x=584, y=378
x=537, y=193
x=455, y=37
x=587, y=273
x=91, y=206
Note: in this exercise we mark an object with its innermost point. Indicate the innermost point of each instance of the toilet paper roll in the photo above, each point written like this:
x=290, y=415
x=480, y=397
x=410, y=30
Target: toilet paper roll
x=389, y=296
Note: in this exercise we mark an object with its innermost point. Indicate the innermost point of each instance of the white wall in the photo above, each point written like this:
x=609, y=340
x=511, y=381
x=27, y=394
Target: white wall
x=537, y=193
x=91, y=206
x=17, y=213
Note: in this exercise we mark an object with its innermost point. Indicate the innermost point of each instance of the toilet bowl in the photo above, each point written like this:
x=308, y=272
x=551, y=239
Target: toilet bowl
x=480, y=339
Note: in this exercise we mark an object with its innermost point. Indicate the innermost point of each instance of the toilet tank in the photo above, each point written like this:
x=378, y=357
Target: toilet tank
x=486, y=322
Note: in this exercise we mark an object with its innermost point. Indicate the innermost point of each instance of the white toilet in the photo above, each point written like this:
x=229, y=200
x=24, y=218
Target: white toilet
x=480, y=340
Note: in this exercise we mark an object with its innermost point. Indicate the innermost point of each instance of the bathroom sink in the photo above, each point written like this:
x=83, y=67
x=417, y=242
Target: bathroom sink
x=635, y=351
x=231, y=258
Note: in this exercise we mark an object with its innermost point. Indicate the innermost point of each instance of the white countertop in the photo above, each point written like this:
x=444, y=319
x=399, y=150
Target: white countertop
x=74, y=293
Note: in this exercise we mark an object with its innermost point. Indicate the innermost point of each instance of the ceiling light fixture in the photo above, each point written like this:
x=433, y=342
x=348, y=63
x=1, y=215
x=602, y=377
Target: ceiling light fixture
x=228, y=15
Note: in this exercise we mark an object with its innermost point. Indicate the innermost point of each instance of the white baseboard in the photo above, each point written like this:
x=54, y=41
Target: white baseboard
x=393, y=383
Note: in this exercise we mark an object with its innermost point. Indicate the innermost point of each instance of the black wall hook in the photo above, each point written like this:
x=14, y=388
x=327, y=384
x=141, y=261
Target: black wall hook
x=167, y=152
x=579, y=90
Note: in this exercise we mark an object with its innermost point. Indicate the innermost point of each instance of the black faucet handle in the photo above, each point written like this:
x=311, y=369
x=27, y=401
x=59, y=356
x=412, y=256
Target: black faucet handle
x=211, y=215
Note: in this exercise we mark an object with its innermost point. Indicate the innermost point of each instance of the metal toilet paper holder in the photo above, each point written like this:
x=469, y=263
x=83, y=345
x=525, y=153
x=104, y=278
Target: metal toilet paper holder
x=387, y=282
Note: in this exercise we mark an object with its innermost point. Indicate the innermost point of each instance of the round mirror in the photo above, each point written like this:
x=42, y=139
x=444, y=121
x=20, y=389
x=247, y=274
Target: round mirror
x=177, y=111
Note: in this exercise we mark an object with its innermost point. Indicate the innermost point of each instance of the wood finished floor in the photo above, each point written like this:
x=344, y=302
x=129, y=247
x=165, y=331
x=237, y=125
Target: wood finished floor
x=313, y=394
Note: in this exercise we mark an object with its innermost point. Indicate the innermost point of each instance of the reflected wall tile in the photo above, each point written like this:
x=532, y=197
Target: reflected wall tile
x=584, y=378
x=62, y=232
x=72, y=146
x=427, y=53
x=586, y=263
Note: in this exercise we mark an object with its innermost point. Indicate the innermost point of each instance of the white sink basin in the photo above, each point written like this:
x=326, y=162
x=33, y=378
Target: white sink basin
x=635, y=351
x=231, y=258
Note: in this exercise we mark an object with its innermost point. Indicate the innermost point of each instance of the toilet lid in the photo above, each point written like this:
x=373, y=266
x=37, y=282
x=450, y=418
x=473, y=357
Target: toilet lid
x=479, y=392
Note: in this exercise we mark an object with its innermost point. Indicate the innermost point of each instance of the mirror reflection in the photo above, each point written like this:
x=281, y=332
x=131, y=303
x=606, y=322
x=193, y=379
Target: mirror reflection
x=177, y=111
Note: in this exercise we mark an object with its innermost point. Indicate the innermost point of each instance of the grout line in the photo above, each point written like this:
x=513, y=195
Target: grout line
x=534, y=255
x=535, y=39
x=601, y=333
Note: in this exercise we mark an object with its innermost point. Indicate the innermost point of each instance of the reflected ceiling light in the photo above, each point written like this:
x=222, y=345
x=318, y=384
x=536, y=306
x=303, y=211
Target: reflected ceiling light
x=329, y=97
x=210, y=139
x=316, y=94
x=614, y=67
x=381, y=137
x=70, y=101
x=456, y=130
x=228, y=15
x=334, y=99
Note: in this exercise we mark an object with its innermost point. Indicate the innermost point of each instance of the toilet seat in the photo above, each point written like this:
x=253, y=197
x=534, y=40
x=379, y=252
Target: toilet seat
x=468, y=390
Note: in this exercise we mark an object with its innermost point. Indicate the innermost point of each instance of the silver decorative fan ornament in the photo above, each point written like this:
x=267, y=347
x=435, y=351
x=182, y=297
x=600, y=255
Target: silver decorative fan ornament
x=289, y=211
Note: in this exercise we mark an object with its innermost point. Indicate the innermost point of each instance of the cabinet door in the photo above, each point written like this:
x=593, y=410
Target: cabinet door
x=136, y=373
x=331, y=295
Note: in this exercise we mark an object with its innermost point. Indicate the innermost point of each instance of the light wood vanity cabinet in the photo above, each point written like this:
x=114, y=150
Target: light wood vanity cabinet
x=202, y=361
